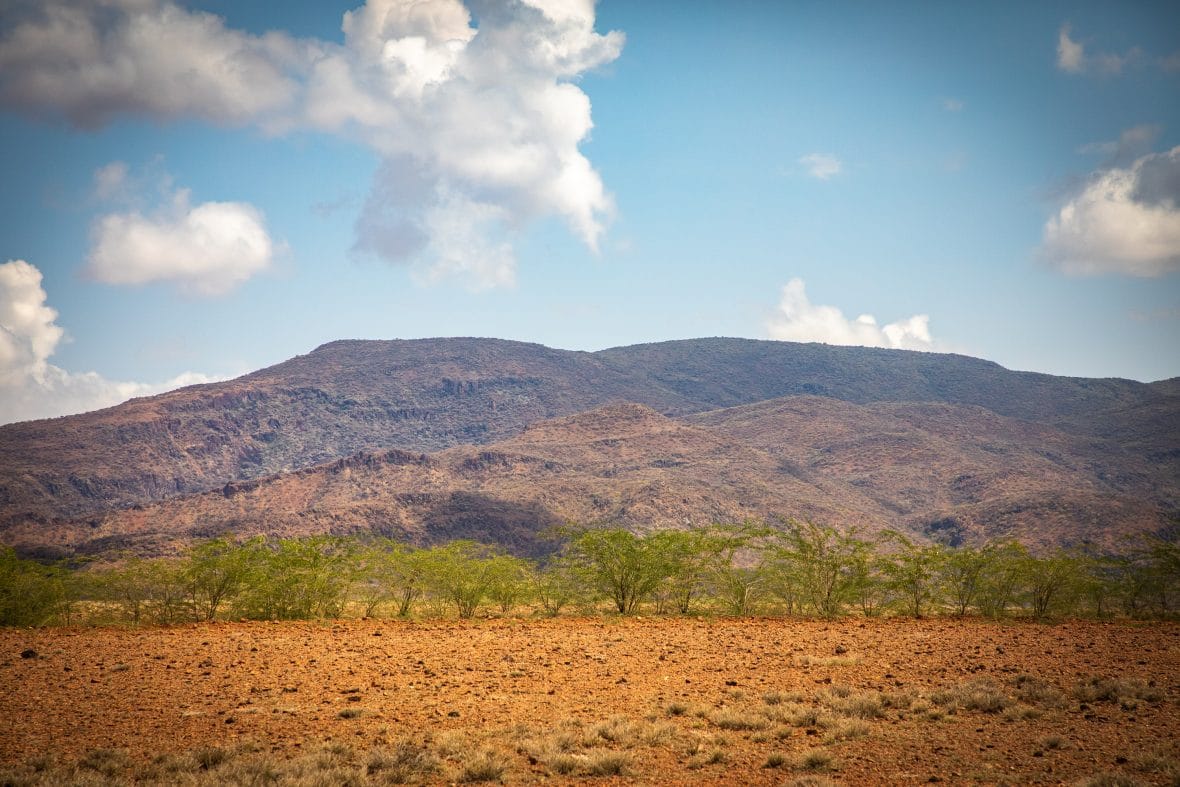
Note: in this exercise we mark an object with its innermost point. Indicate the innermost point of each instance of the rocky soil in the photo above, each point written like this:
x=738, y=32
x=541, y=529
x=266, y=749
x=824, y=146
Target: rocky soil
x=593, y=700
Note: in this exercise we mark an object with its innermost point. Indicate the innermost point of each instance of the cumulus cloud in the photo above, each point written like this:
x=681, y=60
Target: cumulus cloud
x=821, y=165
x=1072, y=57
x=207, y=249
x=31, y=386
x=1124, y=220
x=93, y=61
x=470, y=119
x=799, y=320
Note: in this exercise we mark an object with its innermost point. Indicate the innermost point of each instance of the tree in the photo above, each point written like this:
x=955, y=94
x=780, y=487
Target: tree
x=464, y=573
x=30, y=594
x=390, y=571
x=913, y=570
x=216, y=572
x=622, y=566
x=817, y=568
x=296, y=579
x=1051, y=582
x=1002, y=580
x=147, y=590
x=558, y=584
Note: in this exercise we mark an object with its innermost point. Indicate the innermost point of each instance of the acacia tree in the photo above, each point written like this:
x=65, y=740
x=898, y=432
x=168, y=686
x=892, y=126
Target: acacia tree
x=558, y=584
x=464, y=573
x=30, y=594
x=815, y=567
x=622, y=566
x=154, y=590
x=296, y=578
x=216, y=572
x=389, y=571
x=913, y=570
x=737, y=572
x=1051, y=582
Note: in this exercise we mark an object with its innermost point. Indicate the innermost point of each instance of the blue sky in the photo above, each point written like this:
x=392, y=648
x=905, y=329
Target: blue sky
x=196, y=190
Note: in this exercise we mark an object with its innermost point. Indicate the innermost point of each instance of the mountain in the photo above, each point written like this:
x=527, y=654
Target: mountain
x=878, y=437
x=953, y=473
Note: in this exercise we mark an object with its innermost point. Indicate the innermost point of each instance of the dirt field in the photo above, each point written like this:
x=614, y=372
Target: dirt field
x=590, y=700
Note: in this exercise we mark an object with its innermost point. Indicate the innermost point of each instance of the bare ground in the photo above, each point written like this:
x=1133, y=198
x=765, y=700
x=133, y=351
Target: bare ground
x=652, y=700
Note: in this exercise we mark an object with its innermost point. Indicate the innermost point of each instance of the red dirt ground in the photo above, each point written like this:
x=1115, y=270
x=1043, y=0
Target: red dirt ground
x=510, y=683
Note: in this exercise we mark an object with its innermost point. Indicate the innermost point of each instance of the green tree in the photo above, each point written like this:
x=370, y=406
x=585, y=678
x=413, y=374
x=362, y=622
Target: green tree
x=296, y=579
x=622, y=566
x=30, y=594
x=816, y=568
x=1003, y=579
x=464, y=573
x=913, y=571
x=559, y=584
x=1052, y=583
x=152, y=591
x=216, y=571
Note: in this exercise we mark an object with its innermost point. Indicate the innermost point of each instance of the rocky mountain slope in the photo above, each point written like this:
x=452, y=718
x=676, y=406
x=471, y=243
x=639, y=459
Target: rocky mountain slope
x=848, y=435
x=954, y=473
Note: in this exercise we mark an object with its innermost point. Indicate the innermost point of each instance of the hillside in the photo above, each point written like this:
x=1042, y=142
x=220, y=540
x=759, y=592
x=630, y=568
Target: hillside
x=1118, y=441
x=958, y=474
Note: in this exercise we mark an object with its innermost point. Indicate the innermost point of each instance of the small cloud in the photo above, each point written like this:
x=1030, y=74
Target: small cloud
x=953, y=105
x=1073, y=59
x=109, y=181
x=1070, y=53
x=30, y=386
x=799, y=320
x=207, y=249
x=325, y=209
x=1124, y=220
x=1171, y=63
x=1131, y=144
x=821, y=166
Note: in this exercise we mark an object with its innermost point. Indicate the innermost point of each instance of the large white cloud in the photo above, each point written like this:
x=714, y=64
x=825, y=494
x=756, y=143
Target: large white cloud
x=468, y=119
x=799, y=320
x=207, y=249
x=92, y=61
x=32, y=387
x=1124, y=220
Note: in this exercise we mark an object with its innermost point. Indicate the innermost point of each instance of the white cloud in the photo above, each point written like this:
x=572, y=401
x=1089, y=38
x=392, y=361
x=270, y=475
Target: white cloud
x=1070, y=53
x=208, y=249
x=110, y=180
x=1073, y=59
x=483, y=116
x=30, y=386
x=799, y=320
x=953, y=104
x=1125, y=220
x=90, y=62
x=821, y=165
x=1131, y=144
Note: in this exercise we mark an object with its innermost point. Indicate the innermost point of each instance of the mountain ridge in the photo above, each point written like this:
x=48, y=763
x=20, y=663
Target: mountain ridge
x=429, y=395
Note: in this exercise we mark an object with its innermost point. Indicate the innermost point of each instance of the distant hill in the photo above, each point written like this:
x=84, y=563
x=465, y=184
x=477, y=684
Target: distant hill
x=920, y=432
x=946, y=472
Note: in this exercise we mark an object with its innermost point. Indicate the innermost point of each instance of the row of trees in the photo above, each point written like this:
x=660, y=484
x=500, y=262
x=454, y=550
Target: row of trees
x=801, y=569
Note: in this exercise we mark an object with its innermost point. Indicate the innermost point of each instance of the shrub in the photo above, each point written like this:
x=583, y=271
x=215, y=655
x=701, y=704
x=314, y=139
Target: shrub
x=815, y=760
x=486, y=766
x=607, y=763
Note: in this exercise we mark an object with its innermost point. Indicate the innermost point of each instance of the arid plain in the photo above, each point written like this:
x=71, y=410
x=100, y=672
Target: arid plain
x=598, y=699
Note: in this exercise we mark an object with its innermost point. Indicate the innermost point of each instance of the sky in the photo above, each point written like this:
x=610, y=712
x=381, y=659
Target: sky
x=194, y=189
